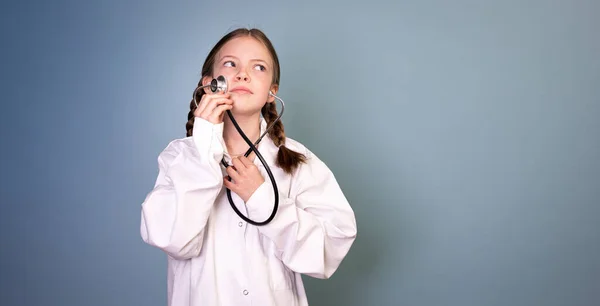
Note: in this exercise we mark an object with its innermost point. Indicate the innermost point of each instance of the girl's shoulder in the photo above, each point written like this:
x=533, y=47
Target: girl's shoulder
x=180, y=144
x=312, y=161
x=177, y=147
x=299, y=147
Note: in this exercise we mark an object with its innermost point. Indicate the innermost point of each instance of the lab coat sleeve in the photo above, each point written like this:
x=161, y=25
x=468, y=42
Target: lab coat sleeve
x=175, y=212
x=314, y=230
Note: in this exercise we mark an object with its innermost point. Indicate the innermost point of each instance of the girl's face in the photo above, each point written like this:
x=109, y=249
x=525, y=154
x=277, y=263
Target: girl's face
x=248, y=68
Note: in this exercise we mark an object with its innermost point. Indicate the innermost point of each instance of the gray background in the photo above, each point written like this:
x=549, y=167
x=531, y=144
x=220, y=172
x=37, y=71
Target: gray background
x=464, y=133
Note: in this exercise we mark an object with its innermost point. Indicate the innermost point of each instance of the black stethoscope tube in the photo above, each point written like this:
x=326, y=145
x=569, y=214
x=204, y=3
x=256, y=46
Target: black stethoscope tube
x=267, y=168
x=220, y=83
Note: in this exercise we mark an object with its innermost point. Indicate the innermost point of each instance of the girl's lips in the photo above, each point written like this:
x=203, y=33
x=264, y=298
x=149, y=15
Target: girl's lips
x=241, y=89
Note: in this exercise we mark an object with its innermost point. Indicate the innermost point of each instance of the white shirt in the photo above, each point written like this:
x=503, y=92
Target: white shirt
x=214, y=257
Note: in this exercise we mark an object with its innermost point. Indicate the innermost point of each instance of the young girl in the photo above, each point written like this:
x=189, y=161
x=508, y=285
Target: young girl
x=214, y=256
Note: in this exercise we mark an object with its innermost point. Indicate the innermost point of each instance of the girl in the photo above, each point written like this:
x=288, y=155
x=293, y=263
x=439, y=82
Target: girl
x=214, y=257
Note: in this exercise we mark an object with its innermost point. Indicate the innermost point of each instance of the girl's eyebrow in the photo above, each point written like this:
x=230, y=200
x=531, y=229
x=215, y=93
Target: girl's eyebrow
x=225, y=56
x=254, y=59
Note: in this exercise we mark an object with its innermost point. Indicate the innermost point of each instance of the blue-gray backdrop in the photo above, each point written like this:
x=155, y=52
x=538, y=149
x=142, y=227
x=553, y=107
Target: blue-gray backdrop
x=466, y=135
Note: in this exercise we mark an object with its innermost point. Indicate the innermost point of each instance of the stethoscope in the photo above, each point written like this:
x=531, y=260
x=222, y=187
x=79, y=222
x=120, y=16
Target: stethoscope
x=220, y=83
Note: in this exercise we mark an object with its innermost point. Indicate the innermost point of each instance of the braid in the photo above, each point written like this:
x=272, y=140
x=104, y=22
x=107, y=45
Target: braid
x=276, y=134
x=189, y=126
x=287, y=159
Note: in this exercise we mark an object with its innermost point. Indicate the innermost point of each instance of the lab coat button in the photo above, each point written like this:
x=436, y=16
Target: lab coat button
x=245, y=292
x=240, y=224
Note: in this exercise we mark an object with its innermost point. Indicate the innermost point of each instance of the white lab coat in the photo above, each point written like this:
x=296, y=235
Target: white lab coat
x=214, y=257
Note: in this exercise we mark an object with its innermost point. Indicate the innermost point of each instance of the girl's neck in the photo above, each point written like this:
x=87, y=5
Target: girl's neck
x=236, y=145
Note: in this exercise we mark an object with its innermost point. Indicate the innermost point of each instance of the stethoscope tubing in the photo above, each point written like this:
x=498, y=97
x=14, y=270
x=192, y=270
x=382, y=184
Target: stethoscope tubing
x=221, y=84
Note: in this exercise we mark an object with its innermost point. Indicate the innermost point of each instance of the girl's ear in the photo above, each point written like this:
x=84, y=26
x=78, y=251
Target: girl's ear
x=272, y=92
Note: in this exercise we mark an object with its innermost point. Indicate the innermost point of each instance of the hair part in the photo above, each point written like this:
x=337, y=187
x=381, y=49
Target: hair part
x=287, y=159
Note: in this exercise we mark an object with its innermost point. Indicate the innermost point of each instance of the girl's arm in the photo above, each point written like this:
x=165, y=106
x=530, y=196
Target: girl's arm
x=175, y=212
x=313, y=231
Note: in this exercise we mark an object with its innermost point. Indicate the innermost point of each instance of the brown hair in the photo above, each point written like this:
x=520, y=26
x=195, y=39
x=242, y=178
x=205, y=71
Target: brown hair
x=287, y=159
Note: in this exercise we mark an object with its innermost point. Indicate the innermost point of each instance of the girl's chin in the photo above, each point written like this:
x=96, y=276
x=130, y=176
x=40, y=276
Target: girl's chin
x=244, y=110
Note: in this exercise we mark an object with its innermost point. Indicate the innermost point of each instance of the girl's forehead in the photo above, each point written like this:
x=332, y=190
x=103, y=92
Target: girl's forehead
x=245, y=47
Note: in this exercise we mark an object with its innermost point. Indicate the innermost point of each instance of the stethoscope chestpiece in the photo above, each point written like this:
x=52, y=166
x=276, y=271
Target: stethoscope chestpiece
x=220, y=83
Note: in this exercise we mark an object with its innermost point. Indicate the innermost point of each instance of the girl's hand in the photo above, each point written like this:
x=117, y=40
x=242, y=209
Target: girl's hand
x=246, y=178
x=212, y=107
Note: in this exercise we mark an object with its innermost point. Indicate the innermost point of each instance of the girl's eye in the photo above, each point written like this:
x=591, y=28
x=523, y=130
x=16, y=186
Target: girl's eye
x=229, y=64
x=260, y=67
